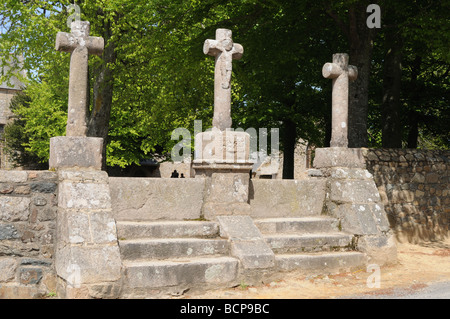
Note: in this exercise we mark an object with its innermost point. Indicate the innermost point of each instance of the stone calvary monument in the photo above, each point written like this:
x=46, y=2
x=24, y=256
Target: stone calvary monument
x=118, y=237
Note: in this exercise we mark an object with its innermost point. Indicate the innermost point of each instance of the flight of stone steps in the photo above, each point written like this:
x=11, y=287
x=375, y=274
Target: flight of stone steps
x=158, y=255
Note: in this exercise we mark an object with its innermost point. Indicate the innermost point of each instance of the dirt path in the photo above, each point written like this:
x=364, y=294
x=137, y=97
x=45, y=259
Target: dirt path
x=417, y=267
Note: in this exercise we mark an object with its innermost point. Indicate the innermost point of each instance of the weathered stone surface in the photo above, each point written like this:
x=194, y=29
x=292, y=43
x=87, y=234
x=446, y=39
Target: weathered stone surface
x=380, y=249
x=8, y=232
x=247, y=242
x=30, y=276
x=217, y=146
x=43, y=187
x=339, y=157
x=80, y=45
x=88, y=264
x=319, y=262
x=225, y=51
x=341, y=73
x=75, y=152
x=354, y=191
x=14, y=209
x=13, y=176
x=157, y=198
x=76, y=195
x=167, y=229
x=8, y=268
x=164, y=273
x=287, y=198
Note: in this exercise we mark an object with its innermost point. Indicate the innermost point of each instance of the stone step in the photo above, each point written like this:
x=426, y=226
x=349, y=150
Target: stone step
x=297, y=224
x=293, y=243
x=164, y=273
x=321, y=262
x=166, y=229
x=133, y=249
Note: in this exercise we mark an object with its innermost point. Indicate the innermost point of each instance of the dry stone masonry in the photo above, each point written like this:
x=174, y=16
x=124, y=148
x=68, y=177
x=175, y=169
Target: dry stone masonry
x=28, y=208
x=414, y=186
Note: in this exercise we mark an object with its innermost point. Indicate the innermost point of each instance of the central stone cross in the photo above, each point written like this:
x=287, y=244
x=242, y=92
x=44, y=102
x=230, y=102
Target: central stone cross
x=80, y=45
x=225, y=51
x=341, y=73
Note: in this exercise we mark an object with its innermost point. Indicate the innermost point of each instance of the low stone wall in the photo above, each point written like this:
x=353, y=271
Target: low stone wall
x=414, y=188
x=183, y=199
x=156, y=198
x=28, y=206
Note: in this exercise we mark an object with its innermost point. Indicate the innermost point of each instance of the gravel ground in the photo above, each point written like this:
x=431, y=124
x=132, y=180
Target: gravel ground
x=422, y=271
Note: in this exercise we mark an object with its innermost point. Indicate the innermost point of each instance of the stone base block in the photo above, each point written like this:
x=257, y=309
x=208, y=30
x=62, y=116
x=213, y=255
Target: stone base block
x=218, y=146
x=339, y=157
x=75, y=152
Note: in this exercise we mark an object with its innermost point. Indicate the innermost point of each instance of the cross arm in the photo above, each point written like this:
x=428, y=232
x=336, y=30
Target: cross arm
x=352, y=72
x=238, y=51
x=331, y=70
x=66, y=42
x=211, y=47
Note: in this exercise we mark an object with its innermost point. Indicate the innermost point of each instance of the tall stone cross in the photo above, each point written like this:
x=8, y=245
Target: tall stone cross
x=80, y=45
x=225, y=51
x=341, y=73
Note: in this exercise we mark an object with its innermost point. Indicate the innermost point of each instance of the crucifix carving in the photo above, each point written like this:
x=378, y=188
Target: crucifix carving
x=341, y=73
x=80, y=45
x=225, y=51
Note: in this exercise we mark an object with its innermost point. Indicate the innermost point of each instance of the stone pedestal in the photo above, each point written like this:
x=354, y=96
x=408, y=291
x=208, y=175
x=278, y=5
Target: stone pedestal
x=353, y=199
x=87, y=258
x=69, y=152
x=222, y=158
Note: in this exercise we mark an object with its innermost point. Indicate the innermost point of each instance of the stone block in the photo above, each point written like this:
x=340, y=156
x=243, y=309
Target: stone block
x=8, y=269
x=78, y=195
x=380, y=249
x=7, y=176
x=354, y=191
x=75, y=152
x=339, y=157
x=8, y=232
x=287, y=198
x=13, y=209
x=247, y=242
x=88, y=264
x=30, y=276
x=157, y=198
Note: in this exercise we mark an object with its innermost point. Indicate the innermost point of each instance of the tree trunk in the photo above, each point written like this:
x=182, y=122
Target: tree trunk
x=413, y=117
x=391, y=107
x=98, y=125
x=289, y=141
x=413, y=132
x=360, y=42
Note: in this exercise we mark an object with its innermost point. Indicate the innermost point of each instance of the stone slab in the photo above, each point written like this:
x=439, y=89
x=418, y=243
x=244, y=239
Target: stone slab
x=164, y=273
x=339, y=157
x=287, y=198
x=247, y=242
x=167, y=229
x=68, y=152
x=149, y=199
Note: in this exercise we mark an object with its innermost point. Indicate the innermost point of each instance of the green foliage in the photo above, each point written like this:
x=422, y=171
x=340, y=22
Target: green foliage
x=162, y=80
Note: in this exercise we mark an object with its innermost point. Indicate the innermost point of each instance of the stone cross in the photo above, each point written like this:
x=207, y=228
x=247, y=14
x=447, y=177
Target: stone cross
x=80, y=45
x=341, y=73
x=225, y=51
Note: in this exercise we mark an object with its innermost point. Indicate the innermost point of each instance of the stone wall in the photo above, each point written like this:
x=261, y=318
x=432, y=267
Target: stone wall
x=414, y=188
x=28, y=205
